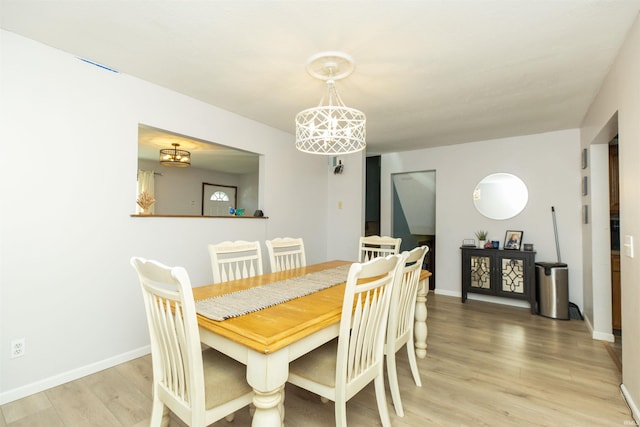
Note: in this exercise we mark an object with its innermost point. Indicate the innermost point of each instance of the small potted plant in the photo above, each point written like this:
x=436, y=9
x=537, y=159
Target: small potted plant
x=482, y=237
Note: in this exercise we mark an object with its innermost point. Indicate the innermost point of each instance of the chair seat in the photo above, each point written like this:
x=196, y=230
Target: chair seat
x=221, y=373
x=318, y=366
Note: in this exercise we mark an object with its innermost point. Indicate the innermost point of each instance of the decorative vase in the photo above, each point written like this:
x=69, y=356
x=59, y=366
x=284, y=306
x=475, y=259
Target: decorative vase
x=481, y=244
x=145, y=201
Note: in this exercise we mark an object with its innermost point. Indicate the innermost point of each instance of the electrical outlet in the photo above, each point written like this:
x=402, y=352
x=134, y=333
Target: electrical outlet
x=17, y=348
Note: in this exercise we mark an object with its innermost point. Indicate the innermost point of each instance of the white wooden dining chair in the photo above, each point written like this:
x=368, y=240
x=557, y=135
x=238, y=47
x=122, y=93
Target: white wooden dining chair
x=401, y=321
x=377, y=246
x=341, y=368
x=235, y=260
x=198, y=387
x=285, y=253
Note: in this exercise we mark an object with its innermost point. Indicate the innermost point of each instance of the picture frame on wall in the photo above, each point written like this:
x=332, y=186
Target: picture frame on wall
x=585, y=185
x=584, y=158
x=513, y=240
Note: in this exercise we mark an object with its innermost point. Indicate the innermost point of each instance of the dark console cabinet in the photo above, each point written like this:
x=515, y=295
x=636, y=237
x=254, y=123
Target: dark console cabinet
x=499, y=272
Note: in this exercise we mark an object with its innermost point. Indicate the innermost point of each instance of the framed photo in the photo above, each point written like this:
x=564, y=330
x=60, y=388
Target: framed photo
x=585, y=186
x=513, y=239
x=584, y=158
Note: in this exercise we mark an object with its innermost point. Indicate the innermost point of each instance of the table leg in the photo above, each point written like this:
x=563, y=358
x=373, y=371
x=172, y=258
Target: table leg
x=267, y=411
x=420, y=326
x=267, y=374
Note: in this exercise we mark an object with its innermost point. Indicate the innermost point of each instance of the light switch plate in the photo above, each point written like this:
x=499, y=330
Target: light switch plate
x=628, y=246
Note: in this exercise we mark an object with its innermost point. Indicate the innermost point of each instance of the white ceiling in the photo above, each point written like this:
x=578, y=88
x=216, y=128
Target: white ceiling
x=204, y=154
x=428, y=73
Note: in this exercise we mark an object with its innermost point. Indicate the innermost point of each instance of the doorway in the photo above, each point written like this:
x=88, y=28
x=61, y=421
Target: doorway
x=602, y=200
x=218, y=200
x=414, y=214
x=372, y=197
x=614, y=218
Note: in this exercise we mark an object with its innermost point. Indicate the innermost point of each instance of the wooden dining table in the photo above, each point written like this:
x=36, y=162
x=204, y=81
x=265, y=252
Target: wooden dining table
x=268, y=339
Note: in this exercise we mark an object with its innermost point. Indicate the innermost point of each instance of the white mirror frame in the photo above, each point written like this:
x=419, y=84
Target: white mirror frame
x=500, y=196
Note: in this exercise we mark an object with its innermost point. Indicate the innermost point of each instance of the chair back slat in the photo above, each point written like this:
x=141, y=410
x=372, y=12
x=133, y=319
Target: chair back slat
x=170, y=328
x=235, y=260
x=371, y=247
x=285, y=253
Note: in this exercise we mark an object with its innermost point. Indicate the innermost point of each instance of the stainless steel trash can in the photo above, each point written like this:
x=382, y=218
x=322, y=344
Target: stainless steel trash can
x=552, y=290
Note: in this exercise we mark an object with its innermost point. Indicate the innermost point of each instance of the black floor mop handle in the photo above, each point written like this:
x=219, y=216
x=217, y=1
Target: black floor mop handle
x=555, y=232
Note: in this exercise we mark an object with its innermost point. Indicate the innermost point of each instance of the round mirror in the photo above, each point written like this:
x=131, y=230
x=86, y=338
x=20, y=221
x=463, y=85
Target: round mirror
x=500, y=196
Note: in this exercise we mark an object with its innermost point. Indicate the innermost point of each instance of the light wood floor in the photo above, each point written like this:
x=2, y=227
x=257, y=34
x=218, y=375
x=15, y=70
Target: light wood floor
x=487, y=365
x=615, y=351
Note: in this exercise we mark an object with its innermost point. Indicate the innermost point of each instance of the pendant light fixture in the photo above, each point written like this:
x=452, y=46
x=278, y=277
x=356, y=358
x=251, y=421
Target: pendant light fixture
x=175, y=157
x=331, y=128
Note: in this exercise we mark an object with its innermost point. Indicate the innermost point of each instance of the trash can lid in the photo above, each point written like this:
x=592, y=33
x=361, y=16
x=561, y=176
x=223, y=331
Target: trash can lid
x=548, y=266
x=551, y=264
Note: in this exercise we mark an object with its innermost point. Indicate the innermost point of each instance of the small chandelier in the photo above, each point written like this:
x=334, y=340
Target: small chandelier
x=175, y=157
x=331, y=128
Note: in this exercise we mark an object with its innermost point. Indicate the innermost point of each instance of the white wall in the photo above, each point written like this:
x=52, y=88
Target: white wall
x=66, y=231
x=248, y=193
x=616, y=108
x=548, y=163
x=597, y=202
x=346, y=198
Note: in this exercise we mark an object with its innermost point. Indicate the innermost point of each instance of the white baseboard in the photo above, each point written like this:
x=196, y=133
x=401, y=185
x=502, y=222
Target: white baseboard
x=635, y=411
x=498, y=300
x=587, y=322
x=485, y=298
x=446, y=293
x=596, y=335
x=65, y=377
x=603, y=336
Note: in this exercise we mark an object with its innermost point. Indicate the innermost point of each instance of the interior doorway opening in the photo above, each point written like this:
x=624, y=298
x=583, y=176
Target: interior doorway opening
x=601, y=242
x=372, y=197
x=414, y=214
x=614, y=218
x=413, y=211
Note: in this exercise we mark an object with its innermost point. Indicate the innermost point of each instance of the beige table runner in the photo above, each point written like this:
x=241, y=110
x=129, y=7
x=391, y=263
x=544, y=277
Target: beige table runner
x=253, y=299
